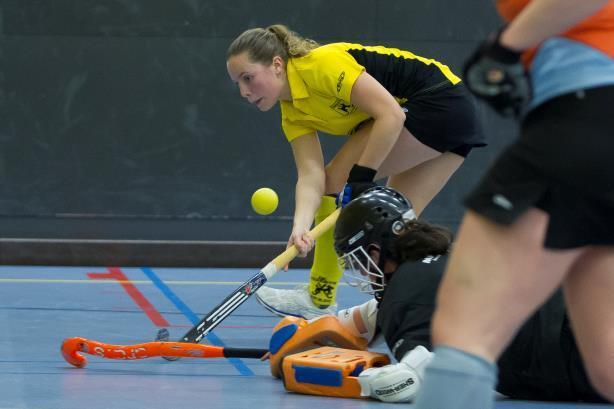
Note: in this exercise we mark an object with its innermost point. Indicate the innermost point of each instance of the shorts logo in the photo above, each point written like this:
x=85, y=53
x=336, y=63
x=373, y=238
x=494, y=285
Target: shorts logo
x=341, y=107
x=502, y=202
x=340, y=81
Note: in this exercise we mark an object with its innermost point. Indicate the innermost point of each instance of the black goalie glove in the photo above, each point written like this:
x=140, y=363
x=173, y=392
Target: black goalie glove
x=495, y=74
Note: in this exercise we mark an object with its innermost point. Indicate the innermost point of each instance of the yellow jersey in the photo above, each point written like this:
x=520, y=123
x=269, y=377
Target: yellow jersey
x=321, y=84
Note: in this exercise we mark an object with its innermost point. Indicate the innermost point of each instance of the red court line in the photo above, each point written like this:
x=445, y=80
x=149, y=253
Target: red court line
x=115, y=273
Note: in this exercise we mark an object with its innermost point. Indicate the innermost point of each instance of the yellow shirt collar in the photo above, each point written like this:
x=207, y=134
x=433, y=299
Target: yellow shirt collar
x=298, y=88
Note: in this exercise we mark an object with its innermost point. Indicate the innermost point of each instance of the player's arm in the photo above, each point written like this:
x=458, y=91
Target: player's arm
x=309, y=186
x=541, y=19
x=388, y=118
x=373, y=99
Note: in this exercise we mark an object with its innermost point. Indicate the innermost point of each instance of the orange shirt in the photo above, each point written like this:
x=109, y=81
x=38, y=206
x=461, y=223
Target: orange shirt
x=596, y=31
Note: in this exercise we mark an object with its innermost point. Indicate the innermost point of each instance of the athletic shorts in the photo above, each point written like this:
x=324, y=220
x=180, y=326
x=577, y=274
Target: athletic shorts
x=445, y=120
x=562, y=163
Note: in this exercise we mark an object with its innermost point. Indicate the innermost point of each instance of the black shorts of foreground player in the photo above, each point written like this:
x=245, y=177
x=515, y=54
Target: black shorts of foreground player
x=401, y=261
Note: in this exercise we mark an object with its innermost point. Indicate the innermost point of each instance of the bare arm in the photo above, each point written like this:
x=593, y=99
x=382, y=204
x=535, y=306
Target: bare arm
x=545, y=18
x=309, y=186
x=388, y=118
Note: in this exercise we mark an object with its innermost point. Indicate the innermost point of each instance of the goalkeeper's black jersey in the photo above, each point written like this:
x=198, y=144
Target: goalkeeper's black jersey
x=541, y=363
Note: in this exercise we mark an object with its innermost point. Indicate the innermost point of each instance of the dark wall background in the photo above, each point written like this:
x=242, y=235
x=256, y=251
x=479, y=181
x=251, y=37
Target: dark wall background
x=118, y=120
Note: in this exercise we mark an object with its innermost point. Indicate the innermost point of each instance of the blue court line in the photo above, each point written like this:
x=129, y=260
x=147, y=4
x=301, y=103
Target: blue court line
x=189, y=314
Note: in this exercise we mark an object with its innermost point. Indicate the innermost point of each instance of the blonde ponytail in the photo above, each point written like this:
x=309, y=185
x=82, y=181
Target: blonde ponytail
x=295, y=45
x=262, y=44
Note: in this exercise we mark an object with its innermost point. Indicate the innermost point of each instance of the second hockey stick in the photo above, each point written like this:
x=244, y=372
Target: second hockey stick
x=247, y=289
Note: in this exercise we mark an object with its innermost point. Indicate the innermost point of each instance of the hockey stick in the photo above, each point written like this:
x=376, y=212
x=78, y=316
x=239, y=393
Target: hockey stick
x=241, y=294
x=71, y=348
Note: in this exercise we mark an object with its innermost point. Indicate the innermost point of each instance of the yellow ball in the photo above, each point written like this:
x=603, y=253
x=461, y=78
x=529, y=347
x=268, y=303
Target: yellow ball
x=264, y=201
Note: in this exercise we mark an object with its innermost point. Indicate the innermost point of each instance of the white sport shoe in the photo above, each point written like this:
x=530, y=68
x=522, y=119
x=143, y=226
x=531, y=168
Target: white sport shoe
x=295, y=302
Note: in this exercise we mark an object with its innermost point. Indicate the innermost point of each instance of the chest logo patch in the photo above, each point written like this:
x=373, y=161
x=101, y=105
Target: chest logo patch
x=340, y=81
x=343, y=108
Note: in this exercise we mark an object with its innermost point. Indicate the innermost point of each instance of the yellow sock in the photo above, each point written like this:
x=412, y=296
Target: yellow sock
x=325, y=271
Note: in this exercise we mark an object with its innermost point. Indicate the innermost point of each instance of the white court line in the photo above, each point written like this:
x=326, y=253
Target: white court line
x=148, y=282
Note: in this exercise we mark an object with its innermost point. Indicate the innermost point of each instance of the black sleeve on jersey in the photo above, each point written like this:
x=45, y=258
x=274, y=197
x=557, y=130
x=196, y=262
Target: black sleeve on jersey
x=407, y=307
x=401, y=76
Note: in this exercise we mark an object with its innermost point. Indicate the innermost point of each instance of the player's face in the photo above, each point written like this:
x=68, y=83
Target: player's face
x=262, y=85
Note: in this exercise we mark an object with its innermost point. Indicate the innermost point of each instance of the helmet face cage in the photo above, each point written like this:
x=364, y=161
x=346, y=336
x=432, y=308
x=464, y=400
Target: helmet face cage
x=361, y=272
x=373, y=218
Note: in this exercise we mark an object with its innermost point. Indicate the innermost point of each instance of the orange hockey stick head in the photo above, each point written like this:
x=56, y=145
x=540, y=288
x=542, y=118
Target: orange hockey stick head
x=70, y=351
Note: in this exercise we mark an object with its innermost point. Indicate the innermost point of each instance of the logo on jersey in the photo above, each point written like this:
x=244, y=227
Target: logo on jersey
x=340, y=81
x=430, y=259
x=342, y=107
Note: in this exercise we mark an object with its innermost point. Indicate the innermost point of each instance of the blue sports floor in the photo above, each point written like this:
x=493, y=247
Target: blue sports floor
x=41, y=306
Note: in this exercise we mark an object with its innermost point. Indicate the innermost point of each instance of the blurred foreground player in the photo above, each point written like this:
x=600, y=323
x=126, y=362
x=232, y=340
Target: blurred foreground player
x=541, y=218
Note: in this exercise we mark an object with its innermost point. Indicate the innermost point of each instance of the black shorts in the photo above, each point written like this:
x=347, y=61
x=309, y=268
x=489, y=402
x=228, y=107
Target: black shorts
x=445, y=120
x=562, y=163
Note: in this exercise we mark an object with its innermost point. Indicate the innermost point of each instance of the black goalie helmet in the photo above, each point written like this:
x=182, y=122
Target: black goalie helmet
x=372, y=219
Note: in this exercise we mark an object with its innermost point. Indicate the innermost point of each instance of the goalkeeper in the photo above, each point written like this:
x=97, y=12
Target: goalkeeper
x=400, y=260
